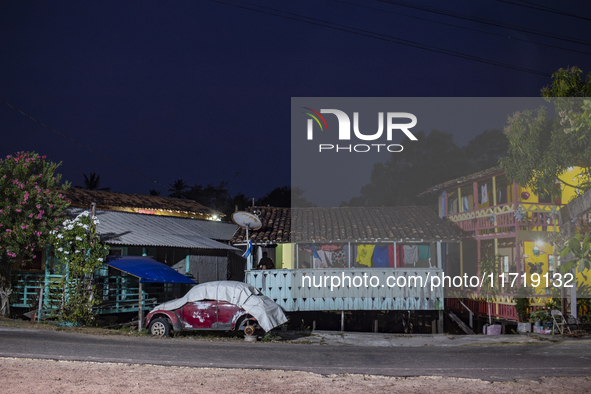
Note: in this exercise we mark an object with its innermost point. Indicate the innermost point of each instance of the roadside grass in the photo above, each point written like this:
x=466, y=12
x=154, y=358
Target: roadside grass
x=133, y=332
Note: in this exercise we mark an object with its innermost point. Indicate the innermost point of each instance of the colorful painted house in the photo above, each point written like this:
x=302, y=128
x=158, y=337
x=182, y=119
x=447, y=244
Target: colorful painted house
x=500, y=218
x=395, y=250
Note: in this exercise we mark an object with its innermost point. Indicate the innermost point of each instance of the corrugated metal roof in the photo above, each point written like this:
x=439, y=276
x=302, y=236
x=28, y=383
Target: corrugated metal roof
x=122, y=228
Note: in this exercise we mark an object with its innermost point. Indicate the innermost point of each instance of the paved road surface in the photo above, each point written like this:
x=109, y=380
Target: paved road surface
x=482, y=362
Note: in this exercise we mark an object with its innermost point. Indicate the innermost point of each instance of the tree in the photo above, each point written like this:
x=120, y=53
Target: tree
x=178, y=189
x=285, y=197
x=154, y=192
x=278, y=197
x=397, y=181
x=485, y=150
x=93, y=182
x=542, y=148
x=31, y=204
x=215, y=197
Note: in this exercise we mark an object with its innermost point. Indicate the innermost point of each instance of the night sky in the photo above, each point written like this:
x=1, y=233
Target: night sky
x=201, y=90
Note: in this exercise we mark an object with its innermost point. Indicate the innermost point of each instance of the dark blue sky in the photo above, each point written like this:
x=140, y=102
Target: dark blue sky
x=201, y=90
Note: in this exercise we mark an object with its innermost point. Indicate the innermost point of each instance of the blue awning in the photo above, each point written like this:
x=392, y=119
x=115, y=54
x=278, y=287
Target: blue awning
x=147, y=270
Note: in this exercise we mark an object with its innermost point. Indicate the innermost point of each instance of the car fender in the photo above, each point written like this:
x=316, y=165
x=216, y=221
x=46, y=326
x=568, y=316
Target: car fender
x=239, y=313
x=174, y=318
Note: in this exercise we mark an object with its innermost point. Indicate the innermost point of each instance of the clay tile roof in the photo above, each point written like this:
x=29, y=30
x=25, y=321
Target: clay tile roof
x=111, y=201
x=460, y=180
x=348, y=224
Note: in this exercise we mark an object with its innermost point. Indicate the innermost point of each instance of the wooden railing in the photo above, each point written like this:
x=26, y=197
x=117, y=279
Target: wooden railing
x=117, y=294
x=295, y=290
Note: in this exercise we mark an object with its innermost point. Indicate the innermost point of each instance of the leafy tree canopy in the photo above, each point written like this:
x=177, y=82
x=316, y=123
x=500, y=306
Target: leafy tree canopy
x=31, y=204
x=285, y=197
x=397, y=181
x=541, y=147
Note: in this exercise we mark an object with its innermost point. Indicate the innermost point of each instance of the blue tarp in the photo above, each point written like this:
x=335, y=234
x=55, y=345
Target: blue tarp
x=148, y=270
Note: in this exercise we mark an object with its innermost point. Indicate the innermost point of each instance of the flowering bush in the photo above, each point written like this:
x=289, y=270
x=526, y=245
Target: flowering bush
x=77, y=245
x=31, y=204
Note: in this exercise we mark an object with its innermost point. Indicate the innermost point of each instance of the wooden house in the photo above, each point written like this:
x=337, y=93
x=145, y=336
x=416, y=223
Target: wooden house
x=395, y=250
x=501, y=218
x=182, y=234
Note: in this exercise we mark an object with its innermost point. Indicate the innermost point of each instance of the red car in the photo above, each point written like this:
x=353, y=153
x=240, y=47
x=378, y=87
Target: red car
x=222, y=305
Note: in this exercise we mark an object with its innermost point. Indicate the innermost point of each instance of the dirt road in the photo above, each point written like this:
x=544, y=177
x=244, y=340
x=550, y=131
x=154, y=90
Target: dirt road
x=45, y=376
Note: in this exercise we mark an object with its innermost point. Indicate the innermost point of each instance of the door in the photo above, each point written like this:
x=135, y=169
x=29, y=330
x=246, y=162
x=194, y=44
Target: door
x=200, y=314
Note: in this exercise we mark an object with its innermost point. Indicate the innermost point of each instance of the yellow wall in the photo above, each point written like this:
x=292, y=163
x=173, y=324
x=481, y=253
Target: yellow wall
x=284, y=256
x=545, y=251
x=571, y=176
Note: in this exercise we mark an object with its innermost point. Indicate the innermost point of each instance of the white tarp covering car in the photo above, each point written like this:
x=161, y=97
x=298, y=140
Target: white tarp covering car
x=268, y=314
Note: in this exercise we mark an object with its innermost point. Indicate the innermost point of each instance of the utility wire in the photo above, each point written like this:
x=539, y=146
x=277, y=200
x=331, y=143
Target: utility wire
x=464, y=27
x=458, y=15
x=545, y=9
x=82, y=145
x=370, y=34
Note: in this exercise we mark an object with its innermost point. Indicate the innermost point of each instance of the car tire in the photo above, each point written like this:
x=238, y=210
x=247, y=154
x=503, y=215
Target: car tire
x=159, y=327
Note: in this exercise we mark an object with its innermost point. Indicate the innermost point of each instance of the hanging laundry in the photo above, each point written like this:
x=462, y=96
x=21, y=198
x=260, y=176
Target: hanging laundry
x=465, y=204
x=424, y=252
x=380, y=257
x=317, y=259
x=391, y=256
x=411, y=254
x=339, y=258
x=330, y=248
x=483, y=194
x=364, y=253
x=399, y=256
x=326, y=258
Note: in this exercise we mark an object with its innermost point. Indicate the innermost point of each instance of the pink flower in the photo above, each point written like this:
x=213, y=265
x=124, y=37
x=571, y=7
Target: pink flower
x=31, y=215
x=18, y=210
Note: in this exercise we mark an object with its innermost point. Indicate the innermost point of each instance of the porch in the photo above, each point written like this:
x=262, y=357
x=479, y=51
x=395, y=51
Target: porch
x=377, y=289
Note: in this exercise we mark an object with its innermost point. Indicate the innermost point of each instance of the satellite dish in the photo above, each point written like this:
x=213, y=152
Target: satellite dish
x=247, y=220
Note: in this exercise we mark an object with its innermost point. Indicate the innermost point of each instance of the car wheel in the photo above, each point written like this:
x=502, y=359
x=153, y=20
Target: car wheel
x=249, y=330
x=159, y=327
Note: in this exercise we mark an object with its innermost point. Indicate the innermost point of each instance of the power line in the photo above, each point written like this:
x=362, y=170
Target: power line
x=82, y=145
x=465, y=28
x=483, y=21
x=370, y=34
x=534, y=6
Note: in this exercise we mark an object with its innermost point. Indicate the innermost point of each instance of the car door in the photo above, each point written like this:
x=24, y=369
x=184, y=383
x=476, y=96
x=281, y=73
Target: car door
x=226, y=313
x=200, y=314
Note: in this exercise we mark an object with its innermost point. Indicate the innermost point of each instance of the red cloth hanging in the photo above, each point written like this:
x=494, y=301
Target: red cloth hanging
x=399, y=256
